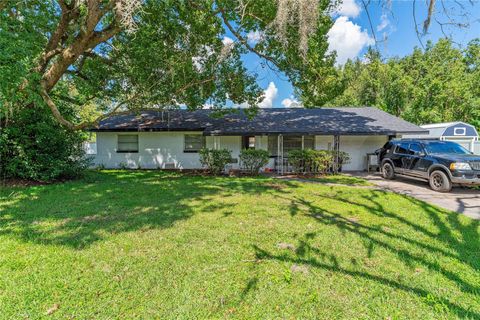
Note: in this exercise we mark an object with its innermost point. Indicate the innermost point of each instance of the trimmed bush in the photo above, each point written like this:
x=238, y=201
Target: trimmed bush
x=252, y=160
x=296, y=158
x=215, y=160
x=315, y=161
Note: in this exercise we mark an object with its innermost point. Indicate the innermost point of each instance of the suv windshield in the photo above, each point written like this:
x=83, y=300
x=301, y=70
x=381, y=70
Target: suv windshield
x=445, y=147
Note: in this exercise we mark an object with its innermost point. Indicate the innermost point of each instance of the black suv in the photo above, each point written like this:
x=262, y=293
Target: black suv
x=441, y=163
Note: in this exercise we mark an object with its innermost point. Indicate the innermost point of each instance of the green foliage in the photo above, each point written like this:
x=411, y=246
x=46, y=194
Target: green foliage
x=296, y=158
x=35, y=147
x=176, y=56
x=215, y=160
x=253, y=159
x=439, y=84
x=315, y=161
x=343, y=157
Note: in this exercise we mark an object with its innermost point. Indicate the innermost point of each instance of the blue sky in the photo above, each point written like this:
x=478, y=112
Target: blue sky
x=394, y=27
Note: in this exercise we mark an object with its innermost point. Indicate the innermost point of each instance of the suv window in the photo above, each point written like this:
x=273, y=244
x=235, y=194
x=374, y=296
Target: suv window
x=438, y=147
x=402, y=148
x=415, y=148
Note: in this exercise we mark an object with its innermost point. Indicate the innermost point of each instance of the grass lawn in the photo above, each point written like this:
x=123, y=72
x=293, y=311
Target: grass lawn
x=142, y=244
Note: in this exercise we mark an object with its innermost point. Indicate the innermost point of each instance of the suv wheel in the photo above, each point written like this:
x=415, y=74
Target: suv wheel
x=439, y=181
x=387, y=171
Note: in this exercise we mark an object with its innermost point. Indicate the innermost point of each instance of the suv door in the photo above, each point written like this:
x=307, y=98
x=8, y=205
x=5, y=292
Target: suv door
x=420, y=162
x=400, y=157
x=416, y=164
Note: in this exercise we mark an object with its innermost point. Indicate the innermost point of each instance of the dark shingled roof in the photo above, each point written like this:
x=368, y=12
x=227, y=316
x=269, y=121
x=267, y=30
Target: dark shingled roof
x=320, y=121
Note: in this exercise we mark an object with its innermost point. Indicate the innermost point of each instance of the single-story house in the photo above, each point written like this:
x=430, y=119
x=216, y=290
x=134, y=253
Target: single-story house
x=171, y=139
x=460, y=132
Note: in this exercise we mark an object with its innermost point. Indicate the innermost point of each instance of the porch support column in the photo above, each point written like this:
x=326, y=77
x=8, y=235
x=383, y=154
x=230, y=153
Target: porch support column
x=280, y=154
x=336, y=149
x=216, y=142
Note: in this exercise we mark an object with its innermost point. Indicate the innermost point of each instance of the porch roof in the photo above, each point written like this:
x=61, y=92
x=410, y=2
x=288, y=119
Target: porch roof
x=319, y=121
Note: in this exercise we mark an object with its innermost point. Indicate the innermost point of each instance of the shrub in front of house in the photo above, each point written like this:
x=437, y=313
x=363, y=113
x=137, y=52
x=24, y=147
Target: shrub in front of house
x=215, y=160
x=253, y=159
x=315, y=161
x=343, y=158
x=318, y=161
x=296, y=158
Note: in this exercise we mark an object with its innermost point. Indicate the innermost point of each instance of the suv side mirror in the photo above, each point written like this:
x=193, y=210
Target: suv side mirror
x=419, y=153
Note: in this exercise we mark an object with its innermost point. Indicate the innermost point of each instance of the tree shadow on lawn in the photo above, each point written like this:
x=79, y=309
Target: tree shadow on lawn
x=79, y=213
x=460, y=241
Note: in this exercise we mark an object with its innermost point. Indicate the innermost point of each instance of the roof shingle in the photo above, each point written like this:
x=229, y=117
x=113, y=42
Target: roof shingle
x=319, y=121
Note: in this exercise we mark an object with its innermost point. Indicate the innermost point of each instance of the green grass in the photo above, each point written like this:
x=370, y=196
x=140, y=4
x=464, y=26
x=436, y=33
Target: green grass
x=121, y=244
x=342, y=179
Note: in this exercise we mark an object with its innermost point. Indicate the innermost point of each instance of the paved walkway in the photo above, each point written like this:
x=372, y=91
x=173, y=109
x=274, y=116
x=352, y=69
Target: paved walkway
x=461, y=200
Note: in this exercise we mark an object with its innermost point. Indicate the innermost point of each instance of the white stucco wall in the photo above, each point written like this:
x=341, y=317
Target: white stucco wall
x=165, y=149
x=358, y=147
x=323, y=142
x=155, y=150
x=158, y=150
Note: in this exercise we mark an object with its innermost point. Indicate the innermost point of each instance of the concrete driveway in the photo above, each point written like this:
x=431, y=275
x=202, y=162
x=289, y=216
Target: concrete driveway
x=461, y=200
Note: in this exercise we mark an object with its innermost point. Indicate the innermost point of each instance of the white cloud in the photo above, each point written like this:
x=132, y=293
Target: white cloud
x=270, y=94
x=255, y=36
x=348, y=39
x=348, y=8
x=291, y=103
x=384, y=22
x=227, y=41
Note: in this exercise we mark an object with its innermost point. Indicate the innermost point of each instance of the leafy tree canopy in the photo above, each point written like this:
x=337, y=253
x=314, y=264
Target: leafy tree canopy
x=438, y=84
x=100, y=56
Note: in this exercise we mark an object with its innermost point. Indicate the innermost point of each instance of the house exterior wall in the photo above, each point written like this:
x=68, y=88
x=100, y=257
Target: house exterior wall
x=155, y=150
x=166, y=150
x=358, y=147
x=323, y=142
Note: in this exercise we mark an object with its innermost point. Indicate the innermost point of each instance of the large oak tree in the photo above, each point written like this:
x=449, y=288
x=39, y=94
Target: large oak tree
x=104, y=56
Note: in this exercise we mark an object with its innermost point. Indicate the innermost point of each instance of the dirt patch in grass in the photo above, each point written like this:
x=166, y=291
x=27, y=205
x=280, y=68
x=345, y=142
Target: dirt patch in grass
x=25, y=183
x=275, y=186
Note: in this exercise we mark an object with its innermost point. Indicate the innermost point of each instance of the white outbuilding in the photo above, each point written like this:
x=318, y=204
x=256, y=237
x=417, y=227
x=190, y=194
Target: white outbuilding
x=460, y=132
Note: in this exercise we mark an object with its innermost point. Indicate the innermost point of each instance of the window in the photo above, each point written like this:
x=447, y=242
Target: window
x=309, y=142
x=248, y=142
x=446, y=147
x=402, y=148
x=127, y=143
x=193, y=142
x=273, y=146
x=415, y=148
x=459, y=131
x=291, y=143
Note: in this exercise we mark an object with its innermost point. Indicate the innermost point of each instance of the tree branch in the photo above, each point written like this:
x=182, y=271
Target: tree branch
x=104, y=35
x=416, y=24
x=244, y=41
x=426, y=23
x=365, y=6
x=56, y=113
